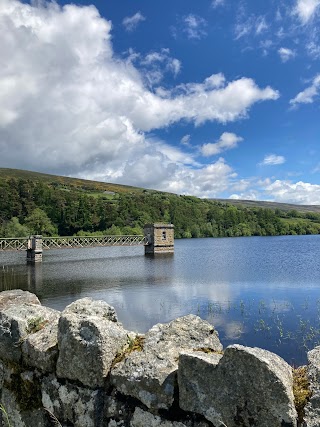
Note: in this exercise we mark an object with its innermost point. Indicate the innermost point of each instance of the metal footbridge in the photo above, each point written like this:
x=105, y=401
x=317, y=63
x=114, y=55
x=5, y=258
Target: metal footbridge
x=21, y=243
x=157, y=239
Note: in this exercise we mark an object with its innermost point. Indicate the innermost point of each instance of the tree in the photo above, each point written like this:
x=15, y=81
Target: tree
x=13, y=228
x=39, y=223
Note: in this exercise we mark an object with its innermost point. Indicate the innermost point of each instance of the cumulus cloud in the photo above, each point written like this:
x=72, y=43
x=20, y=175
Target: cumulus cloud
x=273, y=159
x=286, y=54
x=282, y=191
x=308, y=95
x=294, y=192
x=227, y=141
x=69, y=106
x=194, y=26
x=156, y=64
x=130, y=23
x=306, y=9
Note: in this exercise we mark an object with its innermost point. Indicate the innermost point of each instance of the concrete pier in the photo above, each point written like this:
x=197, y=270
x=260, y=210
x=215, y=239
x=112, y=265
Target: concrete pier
x=34, y=249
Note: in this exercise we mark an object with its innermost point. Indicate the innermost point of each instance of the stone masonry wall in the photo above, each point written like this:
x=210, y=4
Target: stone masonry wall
x=81, y=368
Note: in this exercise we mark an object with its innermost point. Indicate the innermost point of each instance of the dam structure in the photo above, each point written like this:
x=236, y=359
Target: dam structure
x=158, y=238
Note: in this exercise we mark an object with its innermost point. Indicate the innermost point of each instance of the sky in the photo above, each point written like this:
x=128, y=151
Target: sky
x=211, y=98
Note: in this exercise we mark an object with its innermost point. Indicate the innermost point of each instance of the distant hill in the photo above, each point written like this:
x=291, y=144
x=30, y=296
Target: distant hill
x=75, y=183
x=271, y=205
x=94, y=186
x=67, y=206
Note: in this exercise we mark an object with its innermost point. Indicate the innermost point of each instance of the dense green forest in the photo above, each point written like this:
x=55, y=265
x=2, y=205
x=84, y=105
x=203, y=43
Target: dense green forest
x=49, y=205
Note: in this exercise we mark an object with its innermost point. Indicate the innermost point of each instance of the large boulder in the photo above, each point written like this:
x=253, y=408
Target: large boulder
x=150, y=374
x=40, y=350
x=89, y=307
x=21, y=315
x=312, y=409
x=21, y=417
x=88, y=342
x=71, y=404
x=244, y=387
x=143, y=418
x=21, y=397
x=16, y=297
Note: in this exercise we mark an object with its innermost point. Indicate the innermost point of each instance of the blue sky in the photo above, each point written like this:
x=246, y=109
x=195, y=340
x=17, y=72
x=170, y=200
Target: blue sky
x=214, y=98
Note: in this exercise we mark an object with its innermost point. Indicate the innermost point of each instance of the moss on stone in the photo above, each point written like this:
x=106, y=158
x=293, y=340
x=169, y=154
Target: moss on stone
x=134, y=344
x=208, y=350
x=301, y=390
x=36, y=324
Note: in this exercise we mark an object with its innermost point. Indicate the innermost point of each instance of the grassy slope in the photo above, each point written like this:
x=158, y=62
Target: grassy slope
x=271, y=205
x=63, y=181
x=95, y=187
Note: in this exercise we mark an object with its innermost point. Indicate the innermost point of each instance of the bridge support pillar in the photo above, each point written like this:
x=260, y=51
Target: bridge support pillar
x=34, y=251
x=160, y=239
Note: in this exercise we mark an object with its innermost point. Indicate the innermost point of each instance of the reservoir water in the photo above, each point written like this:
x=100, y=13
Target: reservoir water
x=256, y=291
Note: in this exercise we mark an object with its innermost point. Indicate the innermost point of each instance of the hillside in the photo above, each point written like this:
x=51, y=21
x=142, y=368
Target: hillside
x=63, y=181
x=271, y=205
x=32, y=202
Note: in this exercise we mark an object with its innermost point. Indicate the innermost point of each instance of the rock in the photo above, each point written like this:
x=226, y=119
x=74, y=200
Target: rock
x=18, y=417
x=88, y=344
x=142, y=418
x=150, y=375
x=17, y=296
x=90, y=307
x=244, y=387
x=40, y=350
x=17, y=322
x=71, y=404
x=312, y=409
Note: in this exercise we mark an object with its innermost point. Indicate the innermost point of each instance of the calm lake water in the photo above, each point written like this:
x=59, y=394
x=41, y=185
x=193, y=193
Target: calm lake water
x=256, y=291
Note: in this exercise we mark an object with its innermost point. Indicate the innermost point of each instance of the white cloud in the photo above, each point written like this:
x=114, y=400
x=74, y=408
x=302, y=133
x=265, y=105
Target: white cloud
x=69, y=106
x=294, y=192
x=156, y=64
x=306, y=9
x=308, y=95
x=195, y=26
x=207, y=181
x=249, y=25
x=227, y=141
x=217, y=3
x=273, y=159
x=185, y=140
x=313, y=49
x=286, y=54
x=130, y=23
x=261, y=25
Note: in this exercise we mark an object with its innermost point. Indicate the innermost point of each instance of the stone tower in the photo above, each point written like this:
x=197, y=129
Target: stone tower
x=160, y=238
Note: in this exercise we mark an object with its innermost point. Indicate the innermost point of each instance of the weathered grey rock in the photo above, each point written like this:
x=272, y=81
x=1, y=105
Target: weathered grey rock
x=40, y=350
x=142, y=418
x=16, y=297
x=87, y=347
x=150, y=375
x=70, y=404
x=17, y=322
x=312, y=409
x=90, y=307
x=17, y=416
x=245, y=387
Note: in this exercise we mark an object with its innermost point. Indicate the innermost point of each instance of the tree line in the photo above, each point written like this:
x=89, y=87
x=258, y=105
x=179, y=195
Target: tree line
x=36, y=207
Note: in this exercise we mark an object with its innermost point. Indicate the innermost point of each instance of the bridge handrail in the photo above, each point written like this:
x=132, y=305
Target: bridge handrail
x=21, y=243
